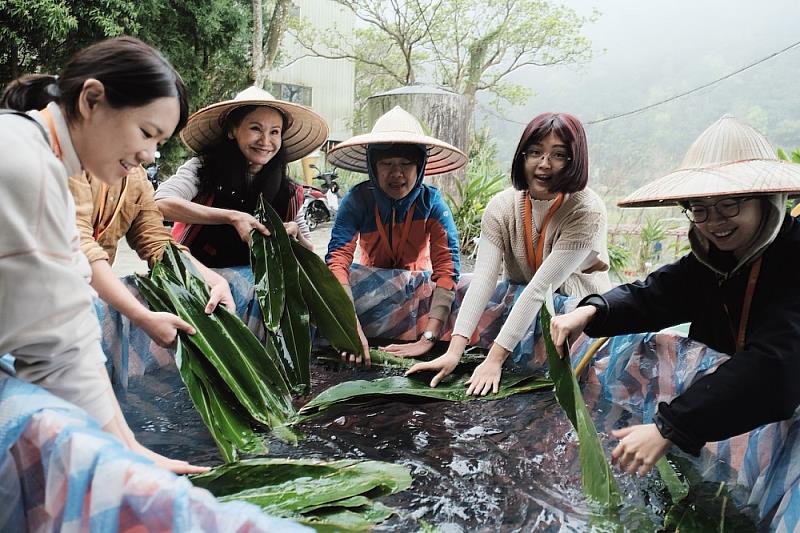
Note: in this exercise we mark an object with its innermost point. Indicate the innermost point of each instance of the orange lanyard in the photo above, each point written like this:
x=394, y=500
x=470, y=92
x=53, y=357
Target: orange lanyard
x=396, y=253
x=54, y=144
x=748, y=300
x=535, y=257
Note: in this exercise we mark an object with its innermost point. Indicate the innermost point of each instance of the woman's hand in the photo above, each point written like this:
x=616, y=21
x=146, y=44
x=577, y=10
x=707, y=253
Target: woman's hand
x=293, y=230
x=163, y=328
x=356, y=359
x=174, y=465
x=444, y=364
x=485, y=377
x=219, y=293
x=411, y=349
x=639, y=448
x=567, y=327
x=244, y=223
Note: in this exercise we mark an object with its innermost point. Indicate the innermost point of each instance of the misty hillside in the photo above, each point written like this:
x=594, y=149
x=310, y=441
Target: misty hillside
x=648, y=51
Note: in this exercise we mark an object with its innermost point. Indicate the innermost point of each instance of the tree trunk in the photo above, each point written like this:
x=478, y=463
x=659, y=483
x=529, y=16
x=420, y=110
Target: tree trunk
x=258, y=39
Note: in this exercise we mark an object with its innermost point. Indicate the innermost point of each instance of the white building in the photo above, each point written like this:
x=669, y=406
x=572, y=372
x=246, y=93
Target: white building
x=325, y=85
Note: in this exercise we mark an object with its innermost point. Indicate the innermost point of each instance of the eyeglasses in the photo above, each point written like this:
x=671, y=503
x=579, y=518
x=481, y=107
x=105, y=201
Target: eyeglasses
x=725, y=208
x=556, y=158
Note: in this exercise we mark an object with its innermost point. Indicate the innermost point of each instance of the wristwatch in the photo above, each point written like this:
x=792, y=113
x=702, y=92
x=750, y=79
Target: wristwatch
x=429, y=336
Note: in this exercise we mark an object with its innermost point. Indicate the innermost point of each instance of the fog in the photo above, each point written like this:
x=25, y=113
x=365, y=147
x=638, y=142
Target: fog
x=645, y=51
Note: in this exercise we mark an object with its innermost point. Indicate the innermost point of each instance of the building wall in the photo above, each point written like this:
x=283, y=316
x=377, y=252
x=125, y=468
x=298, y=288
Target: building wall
x=332, y=82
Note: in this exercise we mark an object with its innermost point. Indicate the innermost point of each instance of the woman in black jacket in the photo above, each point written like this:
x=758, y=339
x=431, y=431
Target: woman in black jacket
x=738, y=287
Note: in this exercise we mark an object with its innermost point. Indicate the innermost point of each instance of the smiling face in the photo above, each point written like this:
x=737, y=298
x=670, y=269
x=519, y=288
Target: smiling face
x=112, y=141
x=258, y=136
x=732, y=234
x=396, y=176
x=544, y=161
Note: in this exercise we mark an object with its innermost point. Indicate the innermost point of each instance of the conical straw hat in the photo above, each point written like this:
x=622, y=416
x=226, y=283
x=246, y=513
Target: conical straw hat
x=730, y=158
x=397, y=126
x=304, y=131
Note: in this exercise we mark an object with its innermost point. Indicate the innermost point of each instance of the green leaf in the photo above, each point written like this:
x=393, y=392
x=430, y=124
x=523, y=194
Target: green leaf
x=329, y=305
x=337, y=493
x=598, y=482
x=265, y=260
x=292, y=337
x=243, y=363
x=361, y=392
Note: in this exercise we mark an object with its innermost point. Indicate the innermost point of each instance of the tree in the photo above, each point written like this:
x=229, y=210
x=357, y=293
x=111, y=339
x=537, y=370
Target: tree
x=265, y=52
x=467, y=45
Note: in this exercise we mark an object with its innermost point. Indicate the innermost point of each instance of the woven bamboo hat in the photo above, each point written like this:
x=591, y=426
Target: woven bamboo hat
x=304, y=130
x=730, y=158
x=397, y=126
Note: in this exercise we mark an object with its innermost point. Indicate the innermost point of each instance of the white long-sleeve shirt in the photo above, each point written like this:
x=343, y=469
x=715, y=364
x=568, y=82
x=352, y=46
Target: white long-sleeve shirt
x=47, y=318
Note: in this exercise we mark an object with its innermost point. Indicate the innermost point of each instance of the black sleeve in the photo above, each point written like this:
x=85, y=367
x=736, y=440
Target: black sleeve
x=661, y=300
x=756, y=386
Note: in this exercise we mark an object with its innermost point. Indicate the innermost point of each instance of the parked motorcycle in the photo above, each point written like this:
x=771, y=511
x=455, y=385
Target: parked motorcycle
x=321, y=203
x=315, y=207
x=330, y=187
x=152, y=170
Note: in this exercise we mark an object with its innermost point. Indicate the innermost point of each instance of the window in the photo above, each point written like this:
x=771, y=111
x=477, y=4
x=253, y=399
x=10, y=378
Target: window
x=292, y=93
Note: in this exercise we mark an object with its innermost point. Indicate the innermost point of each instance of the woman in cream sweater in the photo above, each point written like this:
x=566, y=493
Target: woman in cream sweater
x=549, y=230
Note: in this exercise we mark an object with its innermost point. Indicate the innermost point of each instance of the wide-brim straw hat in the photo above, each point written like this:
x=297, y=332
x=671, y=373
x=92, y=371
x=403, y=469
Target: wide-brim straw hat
x=304, y=130
x=397, y=126
x=730, y=158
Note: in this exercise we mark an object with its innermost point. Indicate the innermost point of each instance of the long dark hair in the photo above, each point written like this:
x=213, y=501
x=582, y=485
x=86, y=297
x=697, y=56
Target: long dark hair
x=225, y=167
x=132, y=73
x=569, y=129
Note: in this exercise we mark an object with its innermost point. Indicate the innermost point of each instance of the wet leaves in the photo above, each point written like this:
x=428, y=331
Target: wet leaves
x=360, y=392
x=598, y=482
x=329, y=496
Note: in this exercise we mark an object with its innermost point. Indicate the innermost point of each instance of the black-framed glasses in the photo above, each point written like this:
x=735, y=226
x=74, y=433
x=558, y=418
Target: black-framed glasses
x=556, y=157
x=725, y=208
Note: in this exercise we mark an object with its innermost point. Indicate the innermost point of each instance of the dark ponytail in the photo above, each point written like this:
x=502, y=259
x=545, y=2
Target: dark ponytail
x=31, y=91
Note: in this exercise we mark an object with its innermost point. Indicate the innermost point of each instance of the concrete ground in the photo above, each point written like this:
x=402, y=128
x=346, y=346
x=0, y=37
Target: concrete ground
x=127, y=262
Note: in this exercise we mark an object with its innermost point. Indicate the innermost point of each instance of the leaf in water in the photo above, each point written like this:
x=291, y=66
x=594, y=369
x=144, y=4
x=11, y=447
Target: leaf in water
x=337, y=494
x=329, y=305
x=266, y=263
x=598, y=482
x=361, y=392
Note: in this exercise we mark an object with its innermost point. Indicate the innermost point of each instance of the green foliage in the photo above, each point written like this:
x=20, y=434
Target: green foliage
x=653, y=231
x=482, y=182
x=328, y=496
x=234, y=381
x=396, y=388
x=794, y=156
x=618, y=256
x=598, y=482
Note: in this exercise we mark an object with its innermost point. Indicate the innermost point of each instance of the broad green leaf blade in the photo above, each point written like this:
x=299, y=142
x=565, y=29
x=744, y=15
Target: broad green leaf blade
x=183, y=268
x=377, y=358
x=265, y=261
x=678, y=489
x=332, y=494
x=293, y=333
x=598, y=482
x=227, y=421
x=330, y=307
x=397, y=388
x=237, y=355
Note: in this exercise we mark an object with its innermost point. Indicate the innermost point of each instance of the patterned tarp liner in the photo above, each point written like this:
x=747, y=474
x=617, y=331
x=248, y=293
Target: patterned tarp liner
x=636, y=372
x=60, y=472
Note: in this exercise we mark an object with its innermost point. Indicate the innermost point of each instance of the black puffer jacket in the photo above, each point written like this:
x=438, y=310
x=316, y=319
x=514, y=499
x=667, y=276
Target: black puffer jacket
x=759, y=384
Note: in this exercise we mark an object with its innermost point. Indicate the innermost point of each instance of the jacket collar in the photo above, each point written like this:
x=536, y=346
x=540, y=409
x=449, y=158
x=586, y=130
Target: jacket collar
x=69, y=157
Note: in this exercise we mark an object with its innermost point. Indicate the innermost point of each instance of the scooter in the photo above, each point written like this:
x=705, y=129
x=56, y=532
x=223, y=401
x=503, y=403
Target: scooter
x=329, y=186
x=315, y=207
